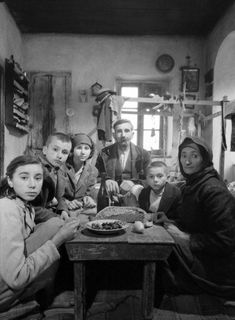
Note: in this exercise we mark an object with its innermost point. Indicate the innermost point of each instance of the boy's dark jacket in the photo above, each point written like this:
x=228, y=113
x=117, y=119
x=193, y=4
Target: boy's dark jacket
x=58, y=179
x=169, y=201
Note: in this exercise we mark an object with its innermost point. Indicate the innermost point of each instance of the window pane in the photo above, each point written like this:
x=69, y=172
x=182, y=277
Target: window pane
x=130, y=92
x=132, y=117
x=151, y=121
x=149, y=142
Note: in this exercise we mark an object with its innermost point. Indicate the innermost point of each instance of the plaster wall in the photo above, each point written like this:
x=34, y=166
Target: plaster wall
x=220, y=50
x=10, y=44
x=104, y=59
x=224, y=86
x=218, y=34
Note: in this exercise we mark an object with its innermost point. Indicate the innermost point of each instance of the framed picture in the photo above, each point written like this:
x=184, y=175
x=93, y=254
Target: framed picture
x=190, y=79
x=190, y=97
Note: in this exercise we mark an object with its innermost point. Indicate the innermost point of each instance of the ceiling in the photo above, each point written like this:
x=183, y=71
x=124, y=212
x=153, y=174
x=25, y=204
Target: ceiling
x=118, y=17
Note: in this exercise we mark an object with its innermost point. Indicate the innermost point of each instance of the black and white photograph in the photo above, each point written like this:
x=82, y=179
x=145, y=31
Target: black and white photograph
x=117, y=160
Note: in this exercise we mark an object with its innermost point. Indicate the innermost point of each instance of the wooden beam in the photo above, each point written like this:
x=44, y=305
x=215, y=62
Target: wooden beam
x=173, y=101
x=213, y=115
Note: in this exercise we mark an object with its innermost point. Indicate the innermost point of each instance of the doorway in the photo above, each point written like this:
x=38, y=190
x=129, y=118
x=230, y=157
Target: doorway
x=49, y=99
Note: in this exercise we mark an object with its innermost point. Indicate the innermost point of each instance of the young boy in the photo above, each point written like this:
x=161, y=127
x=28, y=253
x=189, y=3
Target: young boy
x=54, y=155
x=159, y=195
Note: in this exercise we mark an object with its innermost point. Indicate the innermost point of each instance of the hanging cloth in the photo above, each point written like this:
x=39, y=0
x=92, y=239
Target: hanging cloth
x=104, y=119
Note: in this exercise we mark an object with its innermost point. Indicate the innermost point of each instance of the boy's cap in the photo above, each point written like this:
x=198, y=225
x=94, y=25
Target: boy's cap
x=81, y=138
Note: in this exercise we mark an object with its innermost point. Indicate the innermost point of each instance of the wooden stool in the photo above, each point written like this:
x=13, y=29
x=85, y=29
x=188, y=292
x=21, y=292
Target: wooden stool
x=29, y=310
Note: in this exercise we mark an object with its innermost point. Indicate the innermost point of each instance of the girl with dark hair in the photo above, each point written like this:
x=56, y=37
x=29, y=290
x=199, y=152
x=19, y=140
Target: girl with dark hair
x=28, y=253
x=203, y=258
x=83, y=175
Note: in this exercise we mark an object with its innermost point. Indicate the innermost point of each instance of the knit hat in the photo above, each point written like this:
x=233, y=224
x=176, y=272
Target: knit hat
x=81, y=138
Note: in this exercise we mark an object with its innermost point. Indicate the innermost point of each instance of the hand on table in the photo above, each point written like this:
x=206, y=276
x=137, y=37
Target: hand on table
x=88, y=202
x=66, y=232
x=64, y=215
x=175, y=231
x=112, y=186
x=159, y=218
x=72, y=214
x=74, y=204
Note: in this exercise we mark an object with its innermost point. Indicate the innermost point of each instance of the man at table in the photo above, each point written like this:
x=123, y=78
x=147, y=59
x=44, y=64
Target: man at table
x=123, y=160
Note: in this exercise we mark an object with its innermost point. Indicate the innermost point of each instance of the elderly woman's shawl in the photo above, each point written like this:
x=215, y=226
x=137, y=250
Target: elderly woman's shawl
x=207, y=262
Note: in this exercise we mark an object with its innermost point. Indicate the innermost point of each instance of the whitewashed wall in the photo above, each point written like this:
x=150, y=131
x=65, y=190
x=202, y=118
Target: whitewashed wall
x=106, y=58
x=220, y=52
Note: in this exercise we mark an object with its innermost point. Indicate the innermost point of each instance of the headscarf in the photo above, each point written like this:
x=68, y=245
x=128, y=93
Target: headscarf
x=198, y=145
x=80, y=138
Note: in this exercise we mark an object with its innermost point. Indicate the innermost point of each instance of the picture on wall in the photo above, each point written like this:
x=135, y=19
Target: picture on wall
x=190, y=79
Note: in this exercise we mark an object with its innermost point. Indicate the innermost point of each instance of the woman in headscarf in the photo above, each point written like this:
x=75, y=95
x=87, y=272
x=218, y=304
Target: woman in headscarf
x=82, y=174
x=203, y=259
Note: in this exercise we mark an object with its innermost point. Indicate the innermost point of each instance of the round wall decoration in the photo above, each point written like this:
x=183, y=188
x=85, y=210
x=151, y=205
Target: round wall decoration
x=165, y=63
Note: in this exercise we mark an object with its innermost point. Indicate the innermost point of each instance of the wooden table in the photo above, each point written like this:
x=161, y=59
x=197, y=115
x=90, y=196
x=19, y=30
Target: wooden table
x=153, y=245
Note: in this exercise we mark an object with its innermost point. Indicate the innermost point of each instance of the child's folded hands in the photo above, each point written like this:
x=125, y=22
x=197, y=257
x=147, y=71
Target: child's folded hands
x=88, y=202
x=74, y=204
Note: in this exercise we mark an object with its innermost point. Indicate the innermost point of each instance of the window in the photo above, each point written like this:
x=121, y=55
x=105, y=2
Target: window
x=147, y=122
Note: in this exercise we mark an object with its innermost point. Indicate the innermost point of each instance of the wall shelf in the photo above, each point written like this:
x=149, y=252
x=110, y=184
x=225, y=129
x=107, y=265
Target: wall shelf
x=16, y=97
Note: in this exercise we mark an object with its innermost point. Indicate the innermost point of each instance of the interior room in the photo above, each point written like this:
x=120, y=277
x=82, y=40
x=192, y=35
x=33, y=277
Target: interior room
x=86, y=49
x=168, y=66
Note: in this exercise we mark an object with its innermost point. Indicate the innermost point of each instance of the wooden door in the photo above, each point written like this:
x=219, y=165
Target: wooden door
x=49, y=99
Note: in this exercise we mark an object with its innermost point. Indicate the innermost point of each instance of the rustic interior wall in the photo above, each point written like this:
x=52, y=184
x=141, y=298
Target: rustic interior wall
x=224, y=86
x=219, y=55
x=104, y=59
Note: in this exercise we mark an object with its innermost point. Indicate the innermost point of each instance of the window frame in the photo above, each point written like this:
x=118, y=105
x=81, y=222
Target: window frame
x=141, y=109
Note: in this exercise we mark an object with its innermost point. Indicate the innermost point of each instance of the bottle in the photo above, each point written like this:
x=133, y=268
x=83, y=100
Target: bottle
x=102, y=197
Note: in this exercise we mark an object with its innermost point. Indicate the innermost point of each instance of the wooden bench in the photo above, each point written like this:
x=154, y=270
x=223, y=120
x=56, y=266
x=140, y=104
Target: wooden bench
x=29, y=310
x=59, y=314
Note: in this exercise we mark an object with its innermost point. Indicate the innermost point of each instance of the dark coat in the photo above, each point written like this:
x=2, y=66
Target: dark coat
x=60, y=178
x=84, y=185
x=207, y=213
x=107, y=161
x=169, y=201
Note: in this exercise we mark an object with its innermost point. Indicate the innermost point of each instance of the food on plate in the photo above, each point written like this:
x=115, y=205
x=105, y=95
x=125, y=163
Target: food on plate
x=138, y=227
x=106, y=225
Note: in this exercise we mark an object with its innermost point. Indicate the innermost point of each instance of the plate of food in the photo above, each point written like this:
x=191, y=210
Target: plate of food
x=106, y=226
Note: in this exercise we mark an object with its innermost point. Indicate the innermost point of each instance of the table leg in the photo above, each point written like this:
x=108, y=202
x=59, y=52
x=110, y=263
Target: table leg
x=148, y=290
x=79, y=291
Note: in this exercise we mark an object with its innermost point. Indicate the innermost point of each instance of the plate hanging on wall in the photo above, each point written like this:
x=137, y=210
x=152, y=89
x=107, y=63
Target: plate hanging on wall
x=165, y=63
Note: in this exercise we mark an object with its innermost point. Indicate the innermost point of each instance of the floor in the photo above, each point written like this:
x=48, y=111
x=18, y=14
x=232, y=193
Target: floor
x=116, y=305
